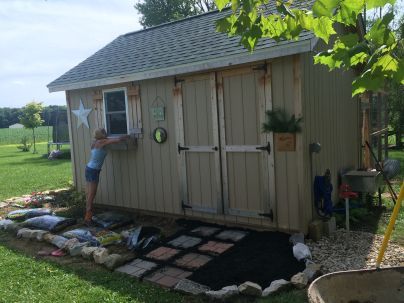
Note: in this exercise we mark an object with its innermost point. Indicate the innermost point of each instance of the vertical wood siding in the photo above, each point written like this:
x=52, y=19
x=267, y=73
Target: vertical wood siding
x=147, y=178
x=331, y=118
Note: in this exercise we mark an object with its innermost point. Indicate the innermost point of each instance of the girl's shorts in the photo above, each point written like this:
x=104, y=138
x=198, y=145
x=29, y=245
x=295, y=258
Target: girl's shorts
x=92, y=175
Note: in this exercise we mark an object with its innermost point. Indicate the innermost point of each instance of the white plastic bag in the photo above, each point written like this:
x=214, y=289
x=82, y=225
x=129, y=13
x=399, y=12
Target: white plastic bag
x=301, y=251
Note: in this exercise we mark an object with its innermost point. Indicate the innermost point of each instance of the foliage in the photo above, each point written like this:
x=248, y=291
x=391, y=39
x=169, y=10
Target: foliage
x=31, y=117
x=22, y=173
x=9, y=116
x=155, y=12
x=25, y=146
x=372, y=54
x=278, y=121
x=13, y=135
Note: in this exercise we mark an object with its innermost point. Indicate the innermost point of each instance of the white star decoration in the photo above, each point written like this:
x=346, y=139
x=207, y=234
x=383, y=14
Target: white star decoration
x=82, y=115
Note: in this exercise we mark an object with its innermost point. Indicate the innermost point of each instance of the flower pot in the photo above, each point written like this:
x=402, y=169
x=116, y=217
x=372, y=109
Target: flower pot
x=285, y=141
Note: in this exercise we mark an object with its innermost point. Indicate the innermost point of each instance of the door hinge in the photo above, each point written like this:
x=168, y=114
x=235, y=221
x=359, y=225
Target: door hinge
x=181, y=148
x=265, y=147
x=185, y=206
x=269, y=215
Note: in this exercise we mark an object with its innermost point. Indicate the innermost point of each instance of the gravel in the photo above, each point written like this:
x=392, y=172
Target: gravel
x=353, y=250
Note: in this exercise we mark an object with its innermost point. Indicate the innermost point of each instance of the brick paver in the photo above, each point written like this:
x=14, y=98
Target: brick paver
x=162, y=253
x=137, y=267
x=232, y=235
x=192, y=261
x=205, y=231
x=214, y=247
x=185, y=241
x=168, y=276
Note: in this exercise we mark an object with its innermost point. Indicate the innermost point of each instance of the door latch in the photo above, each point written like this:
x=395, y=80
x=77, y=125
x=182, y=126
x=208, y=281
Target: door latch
x=266, y=147
x=181, y=148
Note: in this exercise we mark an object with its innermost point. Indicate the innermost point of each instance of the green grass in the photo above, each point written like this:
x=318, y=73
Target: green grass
x=23, y=172
x=14, y=135
x=26, y=279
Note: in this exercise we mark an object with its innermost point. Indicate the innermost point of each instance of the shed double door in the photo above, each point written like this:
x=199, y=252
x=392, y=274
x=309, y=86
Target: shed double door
x=224, y=158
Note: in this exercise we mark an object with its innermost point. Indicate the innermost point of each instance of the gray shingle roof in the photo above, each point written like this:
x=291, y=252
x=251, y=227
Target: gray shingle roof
x=187, y=45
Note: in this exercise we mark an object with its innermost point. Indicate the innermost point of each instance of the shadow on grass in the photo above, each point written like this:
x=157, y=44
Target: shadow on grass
x=40, y=161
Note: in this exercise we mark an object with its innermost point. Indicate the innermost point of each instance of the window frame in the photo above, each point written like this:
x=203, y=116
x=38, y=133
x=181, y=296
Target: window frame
x=104, y=91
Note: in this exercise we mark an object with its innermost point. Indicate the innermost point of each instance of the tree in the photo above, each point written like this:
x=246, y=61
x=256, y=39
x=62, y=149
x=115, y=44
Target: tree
x=155, y=12
x=31, y=117
x=372, y=55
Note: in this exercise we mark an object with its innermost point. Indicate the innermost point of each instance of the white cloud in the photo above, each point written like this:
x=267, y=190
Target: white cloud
x=41, y=40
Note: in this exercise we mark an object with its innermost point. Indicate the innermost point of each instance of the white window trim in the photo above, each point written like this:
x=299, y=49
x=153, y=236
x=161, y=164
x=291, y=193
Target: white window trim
x=126, y=108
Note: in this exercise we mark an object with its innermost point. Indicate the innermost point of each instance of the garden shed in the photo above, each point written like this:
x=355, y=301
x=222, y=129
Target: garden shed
x=196, y=101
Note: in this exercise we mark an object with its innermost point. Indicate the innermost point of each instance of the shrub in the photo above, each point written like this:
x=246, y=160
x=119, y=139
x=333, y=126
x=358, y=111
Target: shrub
x=26, y=146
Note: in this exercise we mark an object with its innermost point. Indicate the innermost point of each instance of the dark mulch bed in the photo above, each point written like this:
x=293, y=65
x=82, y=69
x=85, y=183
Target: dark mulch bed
x=261, y=257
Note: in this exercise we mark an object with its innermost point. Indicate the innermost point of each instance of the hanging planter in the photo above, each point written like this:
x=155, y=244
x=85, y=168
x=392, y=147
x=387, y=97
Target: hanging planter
x=284, y=128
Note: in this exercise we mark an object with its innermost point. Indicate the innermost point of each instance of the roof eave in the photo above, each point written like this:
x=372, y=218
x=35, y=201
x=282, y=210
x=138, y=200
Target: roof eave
x=263, y=54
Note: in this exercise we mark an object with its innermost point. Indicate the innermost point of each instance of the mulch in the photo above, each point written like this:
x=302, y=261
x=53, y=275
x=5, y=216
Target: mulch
x=260, y=257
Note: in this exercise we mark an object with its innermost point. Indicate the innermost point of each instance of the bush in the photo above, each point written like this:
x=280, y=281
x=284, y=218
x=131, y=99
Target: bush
x=26, y=146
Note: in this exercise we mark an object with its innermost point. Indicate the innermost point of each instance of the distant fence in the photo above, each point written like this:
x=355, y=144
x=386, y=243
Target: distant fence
x=14, y=135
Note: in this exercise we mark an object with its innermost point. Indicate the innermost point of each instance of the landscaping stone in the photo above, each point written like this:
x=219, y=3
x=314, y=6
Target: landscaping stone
x=59, y=241
x=112, y=261
x=3, y=204
x=162, y=253
x=276, y=287
x=24, y=233
x=316, y=230
x=232, y=235
x=87, y=252
x=100, y=255
x=250, y=289
x=223, y=294
x=216, y=248
x=137, y=267
x=205, y=231
x=299, y=280
x=39, y=234
x=185, y=242
x=192, y=261
x=49, y=237
x=70, y=243
x=13, y=227
x=76, y=249
x=168, y=276
x=301, y=251
x=329, y=226
x=312, y=271
x=190, y=287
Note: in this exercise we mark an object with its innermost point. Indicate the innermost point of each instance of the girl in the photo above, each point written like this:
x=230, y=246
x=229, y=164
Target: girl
x=93, y=168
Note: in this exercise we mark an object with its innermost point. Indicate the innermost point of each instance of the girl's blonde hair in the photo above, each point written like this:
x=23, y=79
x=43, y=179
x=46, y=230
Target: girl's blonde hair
x=100, y=133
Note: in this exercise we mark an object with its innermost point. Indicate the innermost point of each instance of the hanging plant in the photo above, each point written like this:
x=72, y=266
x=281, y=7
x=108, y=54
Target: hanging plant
x=284, y=127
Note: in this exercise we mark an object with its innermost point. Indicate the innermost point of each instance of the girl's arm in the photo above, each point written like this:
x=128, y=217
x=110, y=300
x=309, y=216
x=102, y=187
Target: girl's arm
x=108, y=141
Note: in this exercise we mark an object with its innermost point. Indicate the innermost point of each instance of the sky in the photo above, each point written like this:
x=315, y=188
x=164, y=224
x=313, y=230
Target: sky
x=43, y=39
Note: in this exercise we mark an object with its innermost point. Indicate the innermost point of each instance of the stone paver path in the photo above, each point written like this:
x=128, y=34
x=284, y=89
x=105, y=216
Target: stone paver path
x=185, y=242
x=168, y=276
x=231, y=235
x=192, y=261
x=216, y=248
x=205, y=231
x=137, y=267
x=162, y=253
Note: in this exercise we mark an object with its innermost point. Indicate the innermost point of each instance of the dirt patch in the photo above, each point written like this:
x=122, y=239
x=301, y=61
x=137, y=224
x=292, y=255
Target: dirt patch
x=261, y=257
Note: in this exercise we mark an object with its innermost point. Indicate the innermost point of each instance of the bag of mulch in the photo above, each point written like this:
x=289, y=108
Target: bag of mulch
x=111, y=220
x=49, y=223
x=23, y=214
x=95, y=236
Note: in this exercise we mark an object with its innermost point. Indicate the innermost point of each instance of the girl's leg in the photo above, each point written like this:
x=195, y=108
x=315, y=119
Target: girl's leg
x=92, y=190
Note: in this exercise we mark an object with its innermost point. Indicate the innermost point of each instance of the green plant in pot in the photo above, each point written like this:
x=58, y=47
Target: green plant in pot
x=284, y=127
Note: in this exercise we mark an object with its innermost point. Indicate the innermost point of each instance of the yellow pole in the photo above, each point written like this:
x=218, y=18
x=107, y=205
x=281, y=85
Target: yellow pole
x=390, y=227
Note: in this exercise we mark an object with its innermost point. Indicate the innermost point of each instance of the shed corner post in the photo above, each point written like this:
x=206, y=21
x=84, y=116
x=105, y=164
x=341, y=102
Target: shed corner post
x=72, y=144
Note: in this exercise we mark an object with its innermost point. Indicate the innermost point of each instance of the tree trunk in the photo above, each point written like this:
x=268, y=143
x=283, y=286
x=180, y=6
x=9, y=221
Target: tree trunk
x=33, y=136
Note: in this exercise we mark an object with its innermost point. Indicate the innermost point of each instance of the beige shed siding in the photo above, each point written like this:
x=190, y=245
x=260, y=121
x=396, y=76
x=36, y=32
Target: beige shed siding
x=331, y=118
x=147, y=178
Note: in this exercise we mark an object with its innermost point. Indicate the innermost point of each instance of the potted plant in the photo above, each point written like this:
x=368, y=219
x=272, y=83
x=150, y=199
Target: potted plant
x=284, y=128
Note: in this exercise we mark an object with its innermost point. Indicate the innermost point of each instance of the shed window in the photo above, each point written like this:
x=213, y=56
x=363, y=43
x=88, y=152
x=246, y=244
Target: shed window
x=116, y=118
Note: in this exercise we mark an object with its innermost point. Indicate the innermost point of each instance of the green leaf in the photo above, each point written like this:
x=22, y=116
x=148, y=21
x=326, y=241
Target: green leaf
x=349, y=40
x=322, y=28
x=325, y=7
x=367, y=81
x=380, y=33
x=399, y=75
x=221, y=4
x=349, y=11
x=235, y=4
x=326, y=58
x=284, y=9
x=358, y=58
x=378, y=3
x=386, y=63
x=223, y=25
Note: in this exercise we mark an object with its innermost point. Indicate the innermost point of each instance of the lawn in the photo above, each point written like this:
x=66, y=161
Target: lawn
x=23, y=172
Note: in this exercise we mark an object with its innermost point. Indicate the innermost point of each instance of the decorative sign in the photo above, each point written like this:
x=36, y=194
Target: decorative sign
x=158, y=109
x=160, y=135
x=82, y=115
